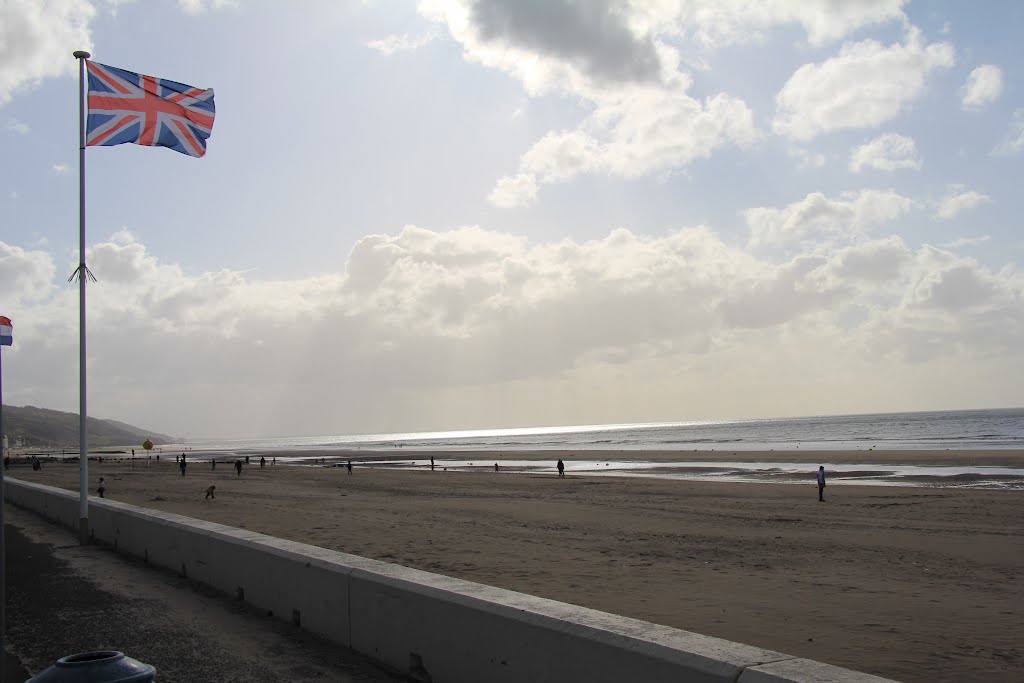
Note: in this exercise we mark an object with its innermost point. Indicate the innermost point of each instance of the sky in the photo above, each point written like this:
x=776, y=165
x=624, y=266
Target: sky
x=470, y=214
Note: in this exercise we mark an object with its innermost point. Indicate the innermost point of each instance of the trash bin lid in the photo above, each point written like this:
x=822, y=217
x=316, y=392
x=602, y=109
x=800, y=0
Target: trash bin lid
x=103, y=666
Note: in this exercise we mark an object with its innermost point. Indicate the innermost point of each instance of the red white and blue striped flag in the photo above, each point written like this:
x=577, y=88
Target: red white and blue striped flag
x=6, y=332
x=128, y=107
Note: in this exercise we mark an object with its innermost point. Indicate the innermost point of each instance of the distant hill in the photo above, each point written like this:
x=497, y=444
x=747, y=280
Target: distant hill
x=43, y=428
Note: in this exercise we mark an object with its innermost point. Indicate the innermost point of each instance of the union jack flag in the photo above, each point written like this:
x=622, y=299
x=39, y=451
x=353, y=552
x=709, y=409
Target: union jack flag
x=130, y=107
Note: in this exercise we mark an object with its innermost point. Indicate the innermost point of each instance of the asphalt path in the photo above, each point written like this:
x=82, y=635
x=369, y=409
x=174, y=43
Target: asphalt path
x=64, y=599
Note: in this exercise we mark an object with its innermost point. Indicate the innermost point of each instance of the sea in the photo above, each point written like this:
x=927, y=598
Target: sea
x=939, y=430
x=959, y=430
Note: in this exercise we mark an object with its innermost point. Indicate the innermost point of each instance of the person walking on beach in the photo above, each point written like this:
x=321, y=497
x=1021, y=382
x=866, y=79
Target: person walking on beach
x=821, y=484
x=238, y=467
x=561, y=468
x=431, y=463
x=101, y=488
x=348, y=466
x=213, y=463
x=181, y=464
x=210, y=492
x=263, y=461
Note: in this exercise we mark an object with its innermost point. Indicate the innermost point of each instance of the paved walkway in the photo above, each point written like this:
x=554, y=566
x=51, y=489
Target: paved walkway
x=63, y=599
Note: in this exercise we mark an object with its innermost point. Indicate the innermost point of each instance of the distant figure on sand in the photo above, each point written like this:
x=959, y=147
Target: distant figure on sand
x=263, y=461
x=495, y=467
x=213, y=463
x=821, y=484
x=209, y=492
x=431, y=463
x=561, y=468
x=247, y=460
x=101, y=488
x=182, y=464
x=238, y=467
x=348, y=466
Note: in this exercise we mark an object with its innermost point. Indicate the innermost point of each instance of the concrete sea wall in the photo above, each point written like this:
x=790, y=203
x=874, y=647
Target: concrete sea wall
x=431, y=627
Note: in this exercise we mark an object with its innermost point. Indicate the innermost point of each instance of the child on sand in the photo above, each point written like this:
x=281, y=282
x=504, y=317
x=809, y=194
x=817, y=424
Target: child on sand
x=210, y=492
x=101, y=488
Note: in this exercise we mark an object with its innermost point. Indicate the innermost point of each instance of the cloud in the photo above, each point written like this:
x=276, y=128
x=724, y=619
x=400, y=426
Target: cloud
x=864, y=86
x=394, y=44
x=647, y=131
x=16, y=126
x=196, y=7
x=38, y=39
x=25, y=275
x=594, y=37
x=816, y=214
x=958, y=201
x=436, y=329
x=984, y=85
x=724, y=22
x=512, y=191
x=965, y=242
x=887, y=152
x=806, y=159
x=1013, y=141
x=978, y=311
x=61, y=169
x=592, y=48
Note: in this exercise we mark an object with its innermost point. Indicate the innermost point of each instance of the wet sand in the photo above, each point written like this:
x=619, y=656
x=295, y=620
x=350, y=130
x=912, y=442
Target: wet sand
x=910, y=583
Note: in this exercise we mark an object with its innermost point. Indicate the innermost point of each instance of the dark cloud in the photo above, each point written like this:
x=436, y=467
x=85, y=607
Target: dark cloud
x=589, y=34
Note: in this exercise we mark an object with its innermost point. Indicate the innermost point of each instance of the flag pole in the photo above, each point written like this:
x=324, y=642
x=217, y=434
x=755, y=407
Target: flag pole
x=83, y=461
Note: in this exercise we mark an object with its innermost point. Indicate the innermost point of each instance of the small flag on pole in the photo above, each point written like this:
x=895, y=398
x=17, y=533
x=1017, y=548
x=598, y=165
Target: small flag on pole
x=6, y=332
x=128, y=107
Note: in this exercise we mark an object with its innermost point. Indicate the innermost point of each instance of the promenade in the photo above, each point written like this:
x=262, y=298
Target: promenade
x=63, y=599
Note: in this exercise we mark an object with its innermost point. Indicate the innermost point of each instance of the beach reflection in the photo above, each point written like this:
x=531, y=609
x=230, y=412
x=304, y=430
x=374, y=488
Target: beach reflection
x=770, y=472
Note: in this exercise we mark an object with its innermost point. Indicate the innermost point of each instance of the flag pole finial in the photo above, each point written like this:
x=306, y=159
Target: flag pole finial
x=81, y=54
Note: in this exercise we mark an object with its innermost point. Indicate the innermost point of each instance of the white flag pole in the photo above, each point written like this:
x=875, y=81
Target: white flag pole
x=83, y=450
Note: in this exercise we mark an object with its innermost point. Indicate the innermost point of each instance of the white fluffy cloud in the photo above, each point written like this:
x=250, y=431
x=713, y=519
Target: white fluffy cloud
x=421, y=318
x=37, y=38
x=984, y=85
x=201, y=6
x=648, y=131
x=403, y=43
x=887, y=152
x=717, y=22
x=959, y=200
x=608, y=54
x=1013, y=141
x=816, y=214
x=25, y=275
x=864, y=86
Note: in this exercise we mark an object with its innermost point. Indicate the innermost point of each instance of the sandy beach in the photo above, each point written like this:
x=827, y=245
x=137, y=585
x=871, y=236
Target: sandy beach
x=917, y=584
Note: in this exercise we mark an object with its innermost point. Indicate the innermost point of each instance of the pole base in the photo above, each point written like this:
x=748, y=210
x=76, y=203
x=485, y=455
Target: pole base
x=83, y=531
